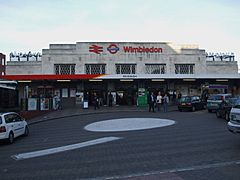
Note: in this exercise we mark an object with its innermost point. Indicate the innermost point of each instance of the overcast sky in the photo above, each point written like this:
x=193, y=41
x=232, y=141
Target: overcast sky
x=31, y=25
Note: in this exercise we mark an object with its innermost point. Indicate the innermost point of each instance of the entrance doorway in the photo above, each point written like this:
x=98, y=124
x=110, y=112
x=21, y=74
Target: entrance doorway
x=126, y=93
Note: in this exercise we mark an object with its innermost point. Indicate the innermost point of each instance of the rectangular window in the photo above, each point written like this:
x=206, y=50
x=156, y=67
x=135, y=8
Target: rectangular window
x=184, y=68
x=155, y=68
x=64, y=68
x=125, y=68
x=9, y=118
x=95, y=68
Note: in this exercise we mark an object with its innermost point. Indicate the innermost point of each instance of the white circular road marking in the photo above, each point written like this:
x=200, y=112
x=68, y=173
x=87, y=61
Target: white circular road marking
x=128, y=124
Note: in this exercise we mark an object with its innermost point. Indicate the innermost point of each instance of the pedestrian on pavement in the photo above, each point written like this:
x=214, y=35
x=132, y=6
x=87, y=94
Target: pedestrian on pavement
x=179, y=96
x=95, y=101
x=159, y=100
x=165, y=102
x=174, y=97
x=110, y=98
x=57, y=102
x=151, y=102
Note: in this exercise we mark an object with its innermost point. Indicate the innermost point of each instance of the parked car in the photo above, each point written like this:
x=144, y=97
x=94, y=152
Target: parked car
x=190, y=103
x=215, y=100
x=234, y=123
x=12, y=125
x=225, y=107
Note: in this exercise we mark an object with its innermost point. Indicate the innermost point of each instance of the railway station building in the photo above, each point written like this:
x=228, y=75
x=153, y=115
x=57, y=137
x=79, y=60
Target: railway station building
x=127, y=70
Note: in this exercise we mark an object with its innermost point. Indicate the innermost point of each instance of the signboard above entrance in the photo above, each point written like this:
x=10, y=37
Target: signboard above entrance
x=114, y=49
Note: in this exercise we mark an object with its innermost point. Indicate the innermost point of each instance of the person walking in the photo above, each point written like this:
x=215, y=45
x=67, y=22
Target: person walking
x=57, y=102
x=165, y=102
x=174, y=97
x=95, y=101
x=151, y=102
x=159, y=100
x=110, y=98
x=179, y=96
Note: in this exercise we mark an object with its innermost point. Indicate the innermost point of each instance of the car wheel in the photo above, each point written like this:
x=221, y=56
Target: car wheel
x=209, y=110
x=227, y=116
x=218, y=114
x=193, y=108
x=180, y=109
x=11, y=137
x=26, y=132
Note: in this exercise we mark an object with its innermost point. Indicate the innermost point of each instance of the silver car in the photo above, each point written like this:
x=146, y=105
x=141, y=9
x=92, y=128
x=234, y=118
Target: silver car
x=214, y=101
x=234, y=123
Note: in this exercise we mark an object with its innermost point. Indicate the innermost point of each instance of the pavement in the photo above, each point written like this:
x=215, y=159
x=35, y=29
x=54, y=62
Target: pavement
x=77, y=111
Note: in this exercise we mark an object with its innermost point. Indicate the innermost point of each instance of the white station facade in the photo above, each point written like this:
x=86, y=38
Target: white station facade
x=126, y=69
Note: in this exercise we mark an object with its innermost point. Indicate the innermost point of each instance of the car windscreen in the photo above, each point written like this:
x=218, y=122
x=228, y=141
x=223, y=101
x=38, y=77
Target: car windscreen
x=186, y=99
x=0, y=120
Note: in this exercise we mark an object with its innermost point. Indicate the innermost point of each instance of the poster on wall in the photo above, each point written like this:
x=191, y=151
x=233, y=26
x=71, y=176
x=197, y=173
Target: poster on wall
x=32, y=104
x=142, y=97
x=79, y=97
x=25, y=95
x=85, y=105
x=65, y=92
x=72, y=92
x=54, y=103
x=57, y=92
x=44, y=104
x=114, y=94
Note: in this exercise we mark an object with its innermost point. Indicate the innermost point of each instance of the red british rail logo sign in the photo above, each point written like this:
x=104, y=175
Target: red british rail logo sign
x=96, y=49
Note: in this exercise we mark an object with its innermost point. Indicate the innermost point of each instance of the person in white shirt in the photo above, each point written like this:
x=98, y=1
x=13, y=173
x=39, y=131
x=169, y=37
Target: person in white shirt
x=159, y=101
x=57, y=102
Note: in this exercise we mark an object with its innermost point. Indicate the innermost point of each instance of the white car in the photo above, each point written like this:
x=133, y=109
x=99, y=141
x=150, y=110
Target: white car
x=234, y=123
x=12, y=125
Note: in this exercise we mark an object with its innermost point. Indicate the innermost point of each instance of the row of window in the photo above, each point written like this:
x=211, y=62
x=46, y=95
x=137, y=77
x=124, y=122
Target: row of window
x=124, y=68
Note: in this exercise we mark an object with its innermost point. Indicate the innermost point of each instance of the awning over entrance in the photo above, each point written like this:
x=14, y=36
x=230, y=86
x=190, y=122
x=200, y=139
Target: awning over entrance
x=190, y=77
x=50, y=77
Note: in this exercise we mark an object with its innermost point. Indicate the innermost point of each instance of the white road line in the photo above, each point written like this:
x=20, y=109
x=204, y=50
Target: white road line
x=177, y=170
x=63, y=148
x=202, y=167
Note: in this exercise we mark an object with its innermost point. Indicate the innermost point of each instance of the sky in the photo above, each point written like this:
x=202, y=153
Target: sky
x=31, y=25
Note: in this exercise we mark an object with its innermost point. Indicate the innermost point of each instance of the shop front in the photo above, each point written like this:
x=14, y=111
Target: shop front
x=76, y=90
